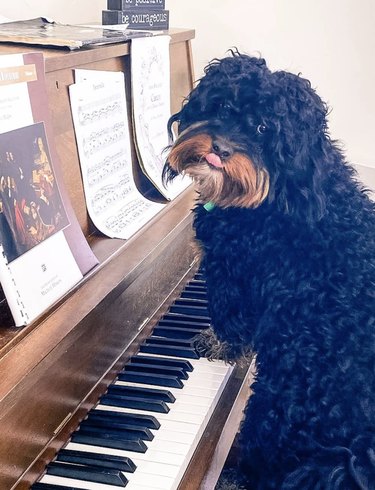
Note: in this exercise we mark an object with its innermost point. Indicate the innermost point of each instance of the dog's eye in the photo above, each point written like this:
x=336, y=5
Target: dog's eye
x=261, y=129
x=225, y=110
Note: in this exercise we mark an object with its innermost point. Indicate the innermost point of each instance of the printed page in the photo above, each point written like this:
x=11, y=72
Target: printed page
x=32, y=213
x=99, y=110
x=151, y=109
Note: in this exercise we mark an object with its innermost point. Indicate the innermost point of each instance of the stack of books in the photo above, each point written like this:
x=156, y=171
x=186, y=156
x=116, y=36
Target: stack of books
x=138, y=14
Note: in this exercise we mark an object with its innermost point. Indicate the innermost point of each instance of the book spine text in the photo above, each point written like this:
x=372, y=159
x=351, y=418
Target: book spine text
x=138, y=4
x=150, y=20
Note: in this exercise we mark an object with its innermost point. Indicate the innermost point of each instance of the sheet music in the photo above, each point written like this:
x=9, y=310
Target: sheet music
x=151, y=109
x=99, y=110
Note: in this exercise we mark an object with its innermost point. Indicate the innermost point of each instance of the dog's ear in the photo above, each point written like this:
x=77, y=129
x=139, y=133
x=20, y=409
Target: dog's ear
x=297, y=147
x=222, y=80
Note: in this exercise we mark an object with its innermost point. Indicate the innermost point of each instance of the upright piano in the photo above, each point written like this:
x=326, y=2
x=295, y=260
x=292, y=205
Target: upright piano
x=56, y=370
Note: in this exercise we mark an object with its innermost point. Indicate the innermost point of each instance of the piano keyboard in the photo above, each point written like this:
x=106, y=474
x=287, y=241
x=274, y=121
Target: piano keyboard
x=144, y=430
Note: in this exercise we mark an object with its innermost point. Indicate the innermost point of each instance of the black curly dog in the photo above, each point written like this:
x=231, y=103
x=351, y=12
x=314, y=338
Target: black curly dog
x=288, y=240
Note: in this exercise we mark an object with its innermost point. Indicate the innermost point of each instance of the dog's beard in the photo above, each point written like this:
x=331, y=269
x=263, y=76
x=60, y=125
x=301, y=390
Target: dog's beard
x=238, y=183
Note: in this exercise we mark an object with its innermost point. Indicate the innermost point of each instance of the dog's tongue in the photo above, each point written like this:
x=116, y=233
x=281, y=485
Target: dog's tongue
x=214, y=160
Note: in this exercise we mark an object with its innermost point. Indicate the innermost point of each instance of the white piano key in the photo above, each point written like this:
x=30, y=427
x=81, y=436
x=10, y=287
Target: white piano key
x=207, y=392
x=202, y=361
x=156, y=468
x=200, y=377
x=149, y=482
x=59, y=480
x=177, y=409
x=192, y=418
x=174, y=436
x=173, y=454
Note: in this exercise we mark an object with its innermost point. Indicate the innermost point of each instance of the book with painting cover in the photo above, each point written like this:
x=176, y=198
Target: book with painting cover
x=43, y=252
x=139, y=4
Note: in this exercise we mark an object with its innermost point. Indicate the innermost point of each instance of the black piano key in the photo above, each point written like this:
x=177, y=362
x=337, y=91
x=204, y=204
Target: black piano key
x=196, y=283
x=154, y=339
x=89, y=473
x=150, y=378
x=137, y=403
x=186, y=318
x=199, y=276
x=176, y=332
x=153, y=393
x=193, y=294
x=134, y=419
x=183, y=322
x=50, y=486
x=197, y=321
x=121, y=463
x=192, y=302
x=146, y=368
x=116, y=433
x=126, y=431
x=95, y=439
x=195, y=308
x=195, y=286
x=164, y=361
x=170, y=350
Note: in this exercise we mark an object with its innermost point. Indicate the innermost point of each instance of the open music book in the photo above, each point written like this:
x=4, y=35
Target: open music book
x=43, y=252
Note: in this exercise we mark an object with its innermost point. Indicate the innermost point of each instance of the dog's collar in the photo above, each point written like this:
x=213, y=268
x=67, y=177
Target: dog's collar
x=209, y=206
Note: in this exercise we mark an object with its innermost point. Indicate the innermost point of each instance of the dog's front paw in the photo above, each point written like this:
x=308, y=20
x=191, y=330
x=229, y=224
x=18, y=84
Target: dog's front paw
x=208, y=345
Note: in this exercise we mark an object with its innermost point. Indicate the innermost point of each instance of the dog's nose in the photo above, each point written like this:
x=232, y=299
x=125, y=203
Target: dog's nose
x=222, y=148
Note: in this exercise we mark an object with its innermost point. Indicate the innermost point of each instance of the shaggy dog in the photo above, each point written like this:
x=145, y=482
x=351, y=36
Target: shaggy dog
x=288, y=241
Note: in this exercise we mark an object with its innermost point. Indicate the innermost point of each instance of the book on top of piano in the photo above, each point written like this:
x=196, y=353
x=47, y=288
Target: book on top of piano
x=43, y=252
x=48, y=33
x=135, y=4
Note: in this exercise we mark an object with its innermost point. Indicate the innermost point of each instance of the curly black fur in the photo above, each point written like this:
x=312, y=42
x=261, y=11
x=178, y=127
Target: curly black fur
x=291, y=278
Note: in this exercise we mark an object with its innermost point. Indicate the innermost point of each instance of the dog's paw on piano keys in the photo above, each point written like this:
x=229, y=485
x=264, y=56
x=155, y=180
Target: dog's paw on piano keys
x=208, y=345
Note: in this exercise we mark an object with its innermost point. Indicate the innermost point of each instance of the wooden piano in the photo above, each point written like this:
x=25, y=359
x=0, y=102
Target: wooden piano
x=54, y=370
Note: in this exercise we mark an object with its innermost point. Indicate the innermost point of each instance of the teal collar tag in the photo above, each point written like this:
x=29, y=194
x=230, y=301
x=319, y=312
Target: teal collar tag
x=209, y=206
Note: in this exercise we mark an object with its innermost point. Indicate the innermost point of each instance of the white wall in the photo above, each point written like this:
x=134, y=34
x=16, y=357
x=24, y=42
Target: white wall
x=67, y=11
x=331, y=42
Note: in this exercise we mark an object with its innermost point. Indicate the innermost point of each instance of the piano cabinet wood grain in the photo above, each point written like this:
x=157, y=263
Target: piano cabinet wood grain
x=54, y=370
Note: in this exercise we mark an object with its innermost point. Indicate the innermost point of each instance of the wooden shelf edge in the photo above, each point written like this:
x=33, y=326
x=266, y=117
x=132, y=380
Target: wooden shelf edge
x=229, y=432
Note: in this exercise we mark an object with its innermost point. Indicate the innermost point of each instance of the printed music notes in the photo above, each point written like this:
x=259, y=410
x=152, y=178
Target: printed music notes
x=150, y=68
x=100, y=118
